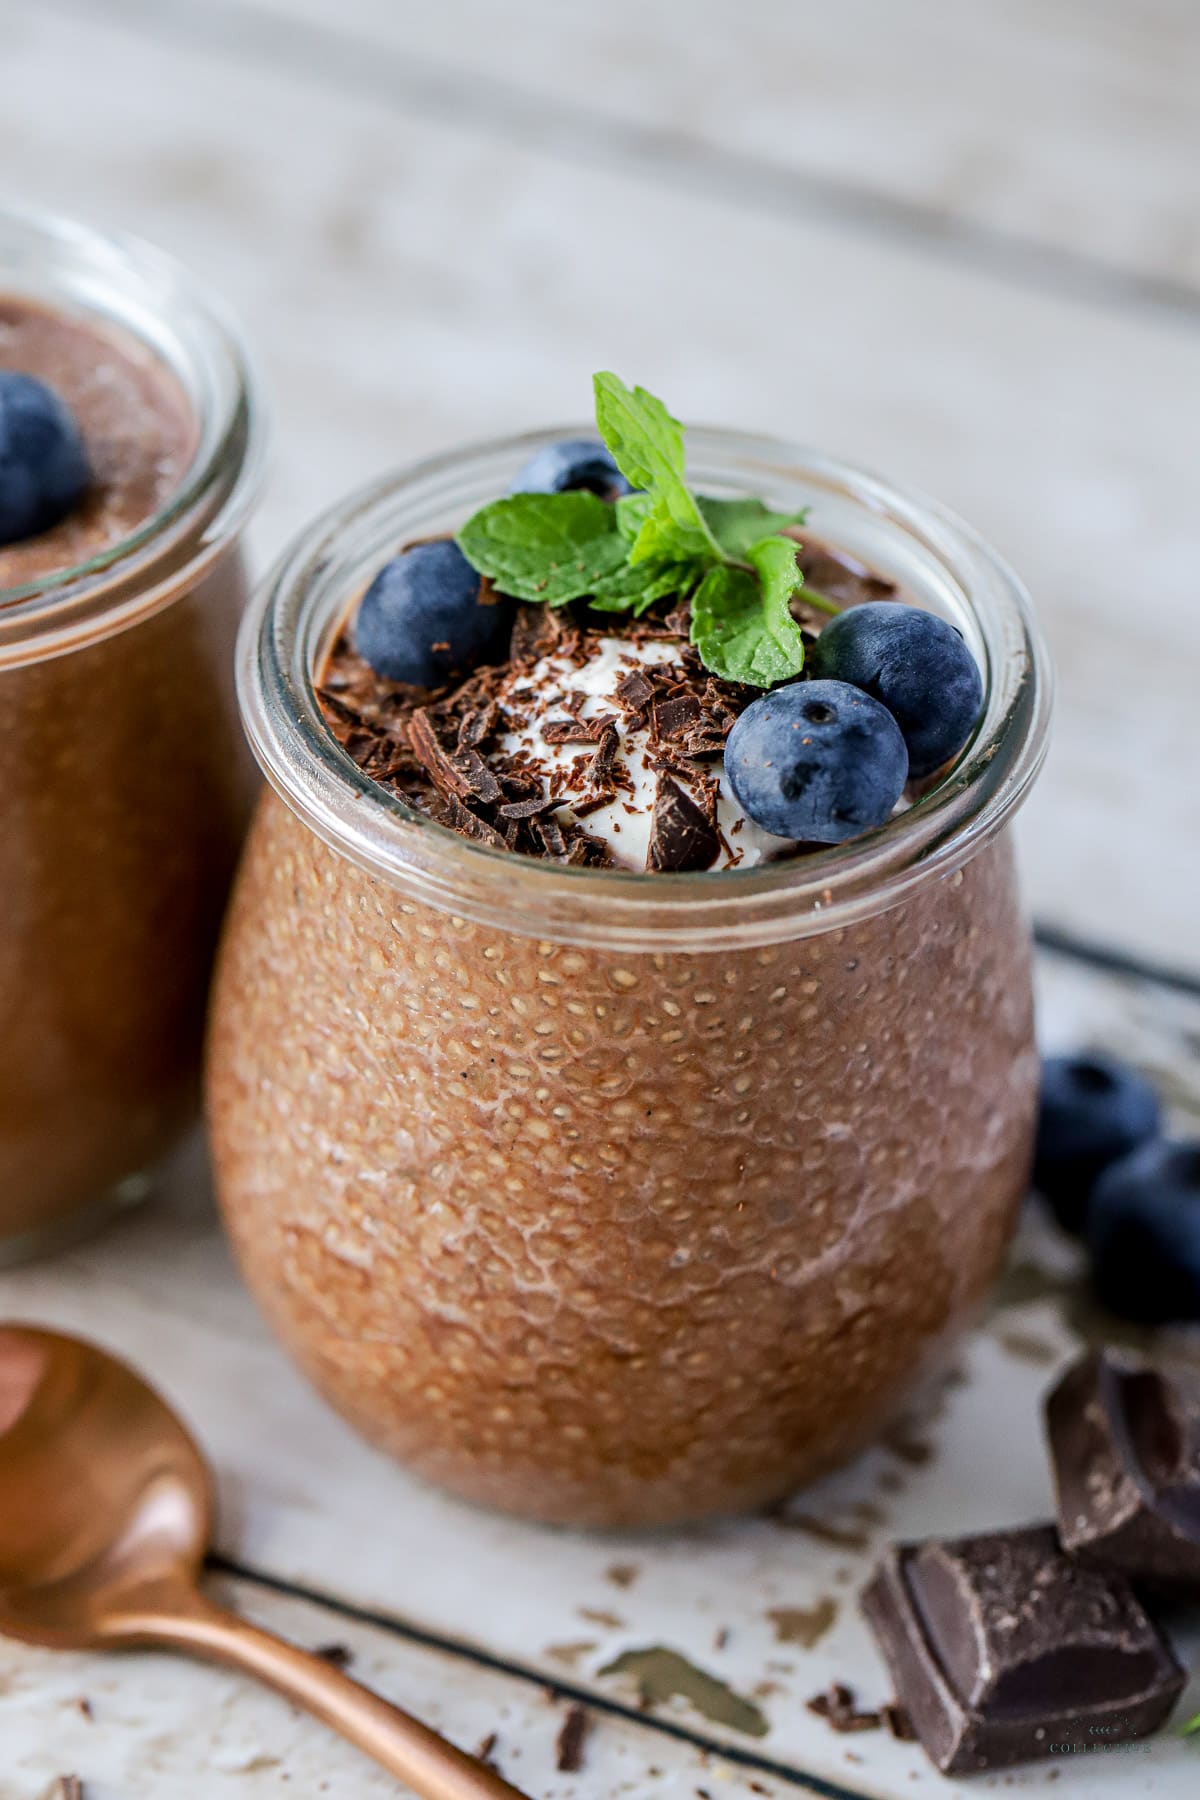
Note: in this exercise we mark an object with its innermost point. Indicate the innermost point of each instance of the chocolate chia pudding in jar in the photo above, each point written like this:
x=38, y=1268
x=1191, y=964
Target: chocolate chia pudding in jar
x=622, y=1074
x=127, y=451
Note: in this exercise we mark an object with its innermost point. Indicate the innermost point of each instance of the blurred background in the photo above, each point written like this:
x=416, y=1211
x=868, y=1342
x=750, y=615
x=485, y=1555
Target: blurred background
x=955, y=240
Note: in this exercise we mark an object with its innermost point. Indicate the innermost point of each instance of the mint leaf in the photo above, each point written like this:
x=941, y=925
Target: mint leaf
x=637, y=586
x=1192, y=1728
x=646, y=442
x=632, y=511
x=774, y=562
x=647, y=445
x=551, y=547
x=737, y=525
x=743, y=629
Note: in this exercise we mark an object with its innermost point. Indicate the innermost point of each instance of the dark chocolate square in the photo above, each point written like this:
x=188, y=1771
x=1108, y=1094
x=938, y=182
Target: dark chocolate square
x=1003, y=1649
x=1125, y=1448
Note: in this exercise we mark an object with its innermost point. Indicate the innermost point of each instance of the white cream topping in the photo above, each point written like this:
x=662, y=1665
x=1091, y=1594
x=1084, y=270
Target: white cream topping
x=624, y=823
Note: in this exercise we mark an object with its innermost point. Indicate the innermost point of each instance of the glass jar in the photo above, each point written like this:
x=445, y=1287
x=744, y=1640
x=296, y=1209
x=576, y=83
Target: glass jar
x=608, y=1198
x=124, y=780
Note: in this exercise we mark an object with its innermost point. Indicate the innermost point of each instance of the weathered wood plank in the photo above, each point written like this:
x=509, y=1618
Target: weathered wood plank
x=1065, y=126
x=303, y=1501
x=154, y=1724
x=411, y=284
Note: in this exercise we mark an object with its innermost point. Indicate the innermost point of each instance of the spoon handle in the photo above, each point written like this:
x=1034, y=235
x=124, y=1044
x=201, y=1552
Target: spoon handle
x=431, y=1767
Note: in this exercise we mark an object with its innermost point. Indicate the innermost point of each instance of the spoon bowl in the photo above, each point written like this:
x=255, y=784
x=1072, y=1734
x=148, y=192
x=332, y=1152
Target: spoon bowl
x=105, y=1512
x=104, y=1497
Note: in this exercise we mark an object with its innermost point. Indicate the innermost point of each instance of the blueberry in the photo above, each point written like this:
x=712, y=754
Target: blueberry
x=43, y=464
x=817, y=761
x=573, y=463
x=1093, y=1110
x=1143, y=1232
x=916, y=664
x=423, y=619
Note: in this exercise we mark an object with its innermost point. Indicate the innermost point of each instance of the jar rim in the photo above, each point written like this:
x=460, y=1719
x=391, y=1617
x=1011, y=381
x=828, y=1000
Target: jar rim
x=130, y=285
x=293, y=614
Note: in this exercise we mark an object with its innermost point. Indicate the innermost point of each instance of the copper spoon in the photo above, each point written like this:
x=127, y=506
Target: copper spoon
x=105, y=1514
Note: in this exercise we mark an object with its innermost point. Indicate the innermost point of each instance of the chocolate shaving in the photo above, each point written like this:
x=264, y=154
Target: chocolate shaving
x=571, y=1740
x=551, y=835
x=568, y=731
x=476, y=726
x=478, y=777
x=428, y=750
x=599, y=770
x=460, y=818
x=484, y=1751
x=529, y=809
x=537, y=631
x=345, y=715
x=682, y=838
x=339, y=1656
x=593, y=803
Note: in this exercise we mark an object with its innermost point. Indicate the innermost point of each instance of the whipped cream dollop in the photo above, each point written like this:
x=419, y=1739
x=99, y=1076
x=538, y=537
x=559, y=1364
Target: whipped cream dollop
x=620, y=809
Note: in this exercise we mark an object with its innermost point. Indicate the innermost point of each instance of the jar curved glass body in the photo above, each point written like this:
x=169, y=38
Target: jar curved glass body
x=614, y=1199
x=125, y=785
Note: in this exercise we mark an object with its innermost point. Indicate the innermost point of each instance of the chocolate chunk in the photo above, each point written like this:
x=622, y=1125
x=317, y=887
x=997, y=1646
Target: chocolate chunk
x=1125, y=1447
x=1003, y=1649
x=682, y=837
x=675, y=716
x=635, y=690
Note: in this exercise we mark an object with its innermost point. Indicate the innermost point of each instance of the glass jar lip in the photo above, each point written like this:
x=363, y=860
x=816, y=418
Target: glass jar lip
x=288, y=624
x=132, y=285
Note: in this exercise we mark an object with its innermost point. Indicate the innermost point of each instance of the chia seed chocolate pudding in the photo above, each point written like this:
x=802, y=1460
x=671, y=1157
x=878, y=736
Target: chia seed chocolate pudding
x=125, y=786
x=609, y=1162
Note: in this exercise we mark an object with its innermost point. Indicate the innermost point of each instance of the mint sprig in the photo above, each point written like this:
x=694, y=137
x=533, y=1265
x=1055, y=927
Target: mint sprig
x=661, y=542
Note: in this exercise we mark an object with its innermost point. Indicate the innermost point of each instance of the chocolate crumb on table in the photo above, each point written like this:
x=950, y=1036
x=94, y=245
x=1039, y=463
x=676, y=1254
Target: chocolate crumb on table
x=571, y=1739
x=836, y=1706
x=340, y=1656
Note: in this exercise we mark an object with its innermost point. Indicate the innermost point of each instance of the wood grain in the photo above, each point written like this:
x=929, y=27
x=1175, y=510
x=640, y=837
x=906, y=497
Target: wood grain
x=1063, y=133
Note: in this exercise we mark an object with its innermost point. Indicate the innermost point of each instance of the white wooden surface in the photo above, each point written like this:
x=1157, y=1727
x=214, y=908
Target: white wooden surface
x=959, y=243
